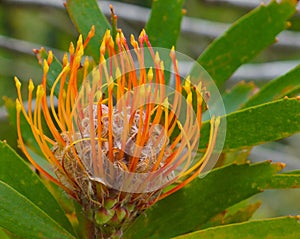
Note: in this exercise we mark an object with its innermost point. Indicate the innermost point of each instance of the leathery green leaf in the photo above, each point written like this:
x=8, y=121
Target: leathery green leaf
x=24, y=218
x=237, y=96
x=84, y=15
x=259, y=124
x=285, y=181
x=296, y=172
x=17, y=174
x=278, y=88
x=243, y=40
x=202, y=199
x=241, y=214
x=163, y=26
x=276, y=228
x=3, y=235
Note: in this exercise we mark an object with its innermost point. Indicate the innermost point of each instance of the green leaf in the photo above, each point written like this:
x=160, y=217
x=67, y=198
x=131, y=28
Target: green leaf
x=26, y=219
x=237, y=96
x=285, y=181
x=163, y=26
x=54, y=69
x=277, y=228
x=239, y=156
x=243, y=40
x=259, y=124
x=278, y=88
x=293, y=172
x=84, y=15
x=17, y=174
x=3, y=235
x=242, y=214
x=202, y=199
x=84, y=224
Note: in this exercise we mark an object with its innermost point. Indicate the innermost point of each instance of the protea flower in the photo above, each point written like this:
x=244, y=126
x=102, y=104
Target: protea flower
x=120, y=138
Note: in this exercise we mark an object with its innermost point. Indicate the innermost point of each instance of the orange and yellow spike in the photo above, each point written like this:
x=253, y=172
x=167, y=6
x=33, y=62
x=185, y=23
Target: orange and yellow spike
x=122, y=113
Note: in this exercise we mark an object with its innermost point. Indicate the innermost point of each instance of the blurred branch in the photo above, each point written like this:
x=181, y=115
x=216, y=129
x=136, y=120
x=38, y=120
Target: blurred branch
x=281, y=153
x=59, y=3
x=191, y=25
x=41, y=3
x=17, y=67
x=22, y=46
x=253, y=71
x=264, y=71
x=16, y=45
x=240, y=3
x=196, y=26
x=3, y=113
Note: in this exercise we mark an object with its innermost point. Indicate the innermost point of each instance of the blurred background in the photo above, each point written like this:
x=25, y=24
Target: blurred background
x=30, y=24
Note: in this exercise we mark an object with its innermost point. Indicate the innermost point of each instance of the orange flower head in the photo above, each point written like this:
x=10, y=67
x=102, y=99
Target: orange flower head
x=122, y=136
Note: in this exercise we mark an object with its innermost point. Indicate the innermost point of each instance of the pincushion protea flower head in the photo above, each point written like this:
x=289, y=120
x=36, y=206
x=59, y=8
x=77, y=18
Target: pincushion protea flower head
x=120, y=138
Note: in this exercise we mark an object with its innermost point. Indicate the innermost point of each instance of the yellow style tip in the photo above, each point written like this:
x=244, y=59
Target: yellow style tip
x=65, y=59
x=102, y=47
x=50, y=57
x=45, y=67
x=71, y=48
x=150, y=74
x=80, y=40
x=133, y=41
x=80, y=53
x=92, y=32
x=30, y=86
x=17, y=82
x=107, y=33
x=172, y=53
x=189, y=98
x=187, y=85
x=142, y=34
x=40, y=92
x=118, y=40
